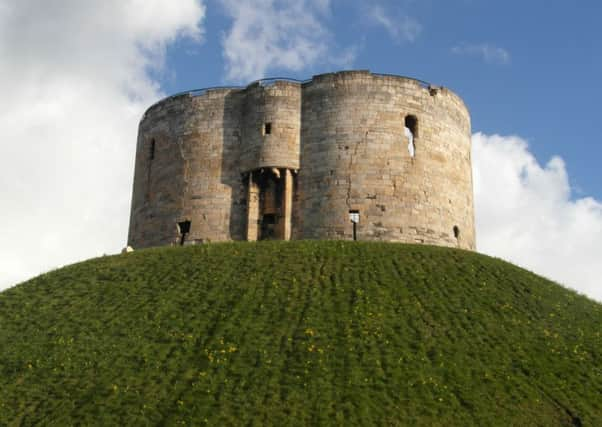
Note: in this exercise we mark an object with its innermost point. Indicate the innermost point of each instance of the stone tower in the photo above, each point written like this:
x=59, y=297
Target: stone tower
x=284, y=159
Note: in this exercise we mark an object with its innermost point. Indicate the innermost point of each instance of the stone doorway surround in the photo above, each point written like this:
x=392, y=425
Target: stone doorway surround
x=269, y=204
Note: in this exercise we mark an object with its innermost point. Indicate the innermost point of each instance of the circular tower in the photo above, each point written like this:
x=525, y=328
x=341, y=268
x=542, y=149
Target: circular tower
x=344, y=155
x=186, y=181
x=394, y=150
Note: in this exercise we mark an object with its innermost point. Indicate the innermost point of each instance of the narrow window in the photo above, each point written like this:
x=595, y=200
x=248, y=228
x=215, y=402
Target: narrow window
x=152, y=149
x=411, y=132
x=456, y=232
x=151, y=156
x=267, y=128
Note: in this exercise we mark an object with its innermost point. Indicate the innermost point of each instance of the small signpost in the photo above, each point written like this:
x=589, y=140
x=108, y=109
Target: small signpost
x=354, y=217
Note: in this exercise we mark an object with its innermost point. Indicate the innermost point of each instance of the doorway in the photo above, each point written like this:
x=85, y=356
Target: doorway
x=269, y=204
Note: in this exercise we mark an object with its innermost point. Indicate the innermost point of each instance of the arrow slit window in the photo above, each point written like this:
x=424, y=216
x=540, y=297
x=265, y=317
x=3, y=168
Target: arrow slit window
x=411, y=133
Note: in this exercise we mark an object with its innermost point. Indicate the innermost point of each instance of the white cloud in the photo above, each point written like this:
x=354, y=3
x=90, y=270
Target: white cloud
x=278, y=34
x=399, y=26
x=488, y=53
x=525, y=214
x=74, y=83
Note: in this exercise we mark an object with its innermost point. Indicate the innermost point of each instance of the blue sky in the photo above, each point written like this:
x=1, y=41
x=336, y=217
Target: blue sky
x=77, y=76
x=548, y=90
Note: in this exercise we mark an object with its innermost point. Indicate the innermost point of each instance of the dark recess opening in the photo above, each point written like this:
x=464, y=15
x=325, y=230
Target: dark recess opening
x=411, y=132
x=456, y=231
x=268, y=223
x=184, y=229
x=267, y=129
x=271, y=192
x=152, y=149
x=411, y=123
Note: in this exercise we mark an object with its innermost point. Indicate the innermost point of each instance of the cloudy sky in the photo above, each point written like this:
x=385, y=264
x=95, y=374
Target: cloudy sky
x=76, y=76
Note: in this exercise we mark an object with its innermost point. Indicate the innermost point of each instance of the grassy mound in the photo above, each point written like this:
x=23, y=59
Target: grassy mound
x=299, y=333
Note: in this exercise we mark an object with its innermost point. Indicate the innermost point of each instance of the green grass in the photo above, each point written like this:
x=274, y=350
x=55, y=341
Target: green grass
x=299, y=333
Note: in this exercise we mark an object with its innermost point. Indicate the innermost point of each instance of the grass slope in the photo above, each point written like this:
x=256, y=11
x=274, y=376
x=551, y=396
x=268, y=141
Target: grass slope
x=299, y=333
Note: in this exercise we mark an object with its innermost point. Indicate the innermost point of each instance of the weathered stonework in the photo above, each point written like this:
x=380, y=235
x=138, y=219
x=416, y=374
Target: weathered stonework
x=291, y=159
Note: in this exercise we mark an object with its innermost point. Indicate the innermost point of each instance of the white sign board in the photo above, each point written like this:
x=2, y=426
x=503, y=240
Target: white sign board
x=354, y=217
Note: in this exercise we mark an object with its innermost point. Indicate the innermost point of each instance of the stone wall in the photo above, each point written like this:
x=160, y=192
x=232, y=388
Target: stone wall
x=194, y=173
x=337, y=141
x=277, y=105
x=355, y=157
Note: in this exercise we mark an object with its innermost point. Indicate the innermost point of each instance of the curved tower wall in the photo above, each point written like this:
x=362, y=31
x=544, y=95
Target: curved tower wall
x=277, y=105
x=193, y=173
x=355, y=157
x=336, y=144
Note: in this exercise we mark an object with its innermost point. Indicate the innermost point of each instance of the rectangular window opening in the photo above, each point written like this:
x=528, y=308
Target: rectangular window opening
x=267, y=128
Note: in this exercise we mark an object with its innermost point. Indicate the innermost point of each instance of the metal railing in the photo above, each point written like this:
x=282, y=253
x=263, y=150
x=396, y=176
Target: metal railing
x=269, y=81
x=422, y=83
